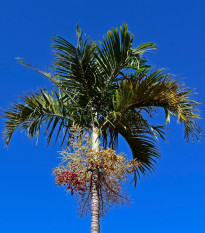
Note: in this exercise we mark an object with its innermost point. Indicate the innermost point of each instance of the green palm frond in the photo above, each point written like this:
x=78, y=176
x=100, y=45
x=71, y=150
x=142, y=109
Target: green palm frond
x=143, y=149
x=116, y=52
x=75, y=66
x=77, y=71
x=115, y=56
x=139, y=134
x=146, y=90
x=36, y=110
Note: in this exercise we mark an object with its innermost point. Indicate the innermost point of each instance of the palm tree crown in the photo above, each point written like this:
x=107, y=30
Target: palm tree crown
x=108, y=85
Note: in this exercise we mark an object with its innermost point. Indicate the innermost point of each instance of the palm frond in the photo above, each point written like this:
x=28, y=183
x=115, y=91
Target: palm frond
x=139, y=134
x=36, y=110
x=75, y=66
x=114, y=50
x=148, y=89
x=114, y=56
x=143, y=149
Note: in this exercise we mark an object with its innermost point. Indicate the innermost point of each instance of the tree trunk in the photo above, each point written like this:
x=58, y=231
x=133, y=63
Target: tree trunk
x=95, y=203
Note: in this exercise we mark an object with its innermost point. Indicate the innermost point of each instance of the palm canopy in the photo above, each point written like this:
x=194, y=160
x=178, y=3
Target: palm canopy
x=108, y=85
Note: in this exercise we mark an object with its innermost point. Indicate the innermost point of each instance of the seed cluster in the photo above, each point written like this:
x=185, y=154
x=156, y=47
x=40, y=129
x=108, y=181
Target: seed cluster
x=72, y=180
x=77, y=166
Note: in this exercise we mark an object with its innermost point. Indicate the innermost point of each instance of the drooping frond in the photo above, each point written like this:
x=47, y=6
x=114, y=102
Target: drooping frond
x=147, y=90
x=139, y=134
x=143, y=149
x=36, y=110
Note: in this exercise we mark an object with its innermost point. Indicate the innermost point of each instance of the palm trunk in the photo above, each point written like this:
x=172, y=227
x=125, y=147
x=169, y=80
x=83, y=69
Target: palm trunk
x=95, y=203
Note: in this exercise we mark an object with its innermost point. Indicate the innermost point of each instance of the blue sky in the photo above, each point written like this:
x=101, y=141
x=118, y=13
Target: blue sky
x=171, y=200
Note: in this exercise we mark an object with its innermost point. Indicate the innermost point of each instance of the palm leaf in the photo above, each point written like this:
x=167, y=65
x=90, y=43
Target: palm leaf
x=143, y=149
x=37, y=110
x=75, y=66
x=146, y=90
x=139, y=134
x=114, y=56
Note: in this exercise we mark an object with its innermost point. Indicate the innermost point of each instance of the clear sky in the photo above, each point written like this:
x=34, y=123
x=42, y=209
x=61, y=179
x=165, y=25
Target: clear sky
x=171, y=200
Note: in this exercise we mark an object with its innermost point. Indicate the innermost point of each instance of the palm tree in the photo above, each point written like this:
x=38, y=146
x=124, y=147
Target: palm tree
x=107, y=88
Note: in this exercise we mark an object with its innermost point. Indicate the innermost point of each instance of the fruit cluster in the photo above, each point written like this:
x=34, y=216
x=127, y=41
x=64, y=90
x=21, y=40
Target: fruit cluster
x=75, y=173
x=71, y=179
